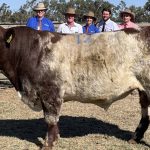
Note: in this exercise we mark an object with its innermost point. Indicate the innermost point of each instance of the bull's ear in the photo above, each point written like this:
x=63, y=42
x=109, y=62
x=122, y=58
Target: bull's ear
x=9, y=35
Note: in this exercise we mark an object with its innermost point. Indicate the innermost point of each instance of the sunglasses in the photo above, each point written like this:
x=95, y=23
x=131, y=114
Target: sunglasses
x=38, y=11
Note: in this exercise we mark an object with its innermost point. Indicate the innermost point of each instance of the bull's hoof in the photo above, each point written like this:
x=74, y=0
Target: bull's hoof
x=132, y=141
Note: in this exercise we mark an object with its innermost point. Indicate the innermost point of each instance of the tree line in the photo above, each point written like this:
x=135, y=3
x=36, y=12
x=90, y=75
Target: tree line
x=56, y=9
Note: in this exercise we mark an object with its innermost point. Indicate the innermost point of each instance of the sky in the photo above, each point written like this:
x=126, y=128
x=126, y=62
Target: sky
x=15, y=4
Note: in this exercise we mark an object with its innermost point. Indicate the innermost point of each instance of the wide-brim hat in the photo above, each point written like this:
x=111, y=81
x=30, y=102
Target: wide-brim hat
x=128, y=11
x=70, y=11
x=40, y=6
x=90, y=14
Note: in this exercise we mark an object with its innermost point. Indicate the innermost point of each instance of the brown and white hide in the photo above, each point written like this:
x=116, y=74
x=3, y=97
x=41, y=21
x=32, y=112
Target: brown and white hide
x=51, y=68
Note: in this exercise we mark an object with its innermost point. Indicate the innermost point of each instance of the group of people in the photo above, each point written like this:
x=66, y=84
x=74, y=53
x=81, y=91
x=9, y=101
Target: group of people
x=39, y=22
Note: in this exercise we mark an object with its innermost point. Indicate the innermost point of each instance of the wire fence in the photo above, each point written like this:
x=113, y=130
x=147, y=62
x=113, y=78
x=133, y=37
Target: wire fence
x=56, y=24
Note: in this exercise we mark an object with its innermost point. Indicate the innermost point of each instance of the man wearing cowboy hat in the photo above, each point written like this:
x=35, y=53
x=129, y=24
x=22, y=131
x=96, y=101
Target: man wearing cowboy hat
x=106, y=24
x=128, y=18
x=90, y=27
x=70, y=26
x=39, y=22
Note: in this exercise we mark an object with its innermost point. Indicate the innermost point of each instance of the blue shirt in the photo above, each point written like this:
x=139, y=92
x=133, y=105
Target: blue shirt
x=90, y=29
x=47, y=24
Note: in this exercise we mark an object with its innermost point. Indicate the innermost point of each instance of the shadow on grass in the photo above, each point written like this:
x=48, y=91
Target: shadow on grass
x=30, y=130
x=5, y=84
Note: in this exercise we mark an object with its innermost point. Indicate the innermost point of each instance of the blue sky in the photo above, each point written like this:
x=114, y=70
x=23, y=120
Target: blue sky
x=130, y=2
x=15, y=4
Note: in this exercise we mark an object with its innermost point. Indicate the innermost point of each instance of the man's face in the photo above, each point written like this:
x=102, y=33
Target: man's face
x=70, y=18
x=106, y=15
x=40, y=13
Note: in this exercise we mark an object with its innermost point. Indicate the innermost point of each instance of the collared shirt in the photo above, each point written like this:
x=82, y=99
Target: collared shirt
x=109, y=25
x=64, y=28
x=90, y=29
x=128, y=25
x=47, y=25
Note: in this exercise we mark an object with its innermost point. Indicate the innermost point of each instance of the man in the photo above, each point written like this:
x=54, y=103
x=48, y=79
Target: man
x=70, y=26
x=106, y=24
x=128, y=19
x=39, y=22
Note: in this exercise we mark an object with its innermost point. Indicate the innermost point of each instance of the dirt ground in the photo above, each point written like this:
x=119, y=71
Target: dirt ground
x=82, y=126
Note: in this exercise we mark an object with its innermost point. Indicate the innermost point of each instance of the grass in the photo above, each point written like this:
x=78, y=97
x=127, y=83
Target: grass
x=82, y=126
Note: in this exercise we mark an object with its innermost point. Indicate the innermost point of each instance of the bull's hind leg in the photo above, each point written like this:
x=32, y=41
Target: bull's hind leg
x=144, y=122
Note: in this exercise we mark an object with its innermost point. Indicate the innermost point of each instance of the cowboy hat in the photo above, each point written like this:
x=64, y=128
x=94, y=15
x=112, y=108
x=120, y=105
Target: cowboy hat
x=128, y=11
x=70, y=11
x=90, y=14
x=39, y=6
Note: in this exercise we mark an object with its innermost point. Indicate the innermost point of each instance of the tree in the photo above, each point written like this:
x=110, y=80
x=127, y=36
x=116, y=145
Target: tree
x=20, y=17
x=120, y=7
x=57, y=8
x=139, y=13
x=147, y=11
x=5, y=13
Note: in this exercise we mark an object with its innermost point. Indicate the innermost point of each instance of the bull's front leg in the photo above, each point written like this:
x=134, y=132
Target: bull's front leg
x=51, y=137
x=51, y=108
x=144, y=122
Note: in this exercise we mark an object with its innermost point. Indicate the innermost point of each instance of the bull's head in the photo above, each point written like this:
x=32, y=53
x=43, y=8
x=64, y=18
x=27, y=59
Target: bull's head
x=2, y=47
x=6, y=38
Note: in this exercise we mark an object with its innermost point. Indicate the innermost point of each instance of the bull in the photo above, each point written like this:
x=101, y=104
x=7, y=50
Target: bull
x=48, y=69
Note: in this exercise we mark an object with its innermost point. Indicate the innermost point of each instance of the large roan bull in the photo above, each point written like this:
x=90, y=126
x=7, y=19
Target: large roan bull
x=49, y=68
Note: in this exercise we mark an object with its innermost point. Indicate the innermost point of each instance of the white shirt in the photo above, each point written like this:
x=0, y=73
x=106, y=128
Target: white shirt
x=109, y=25
x=64, y=28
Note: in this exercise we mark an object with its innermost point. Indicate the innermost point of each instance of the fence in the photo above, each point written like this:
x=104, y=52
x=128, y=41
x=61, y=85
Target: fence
x=56, y=24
